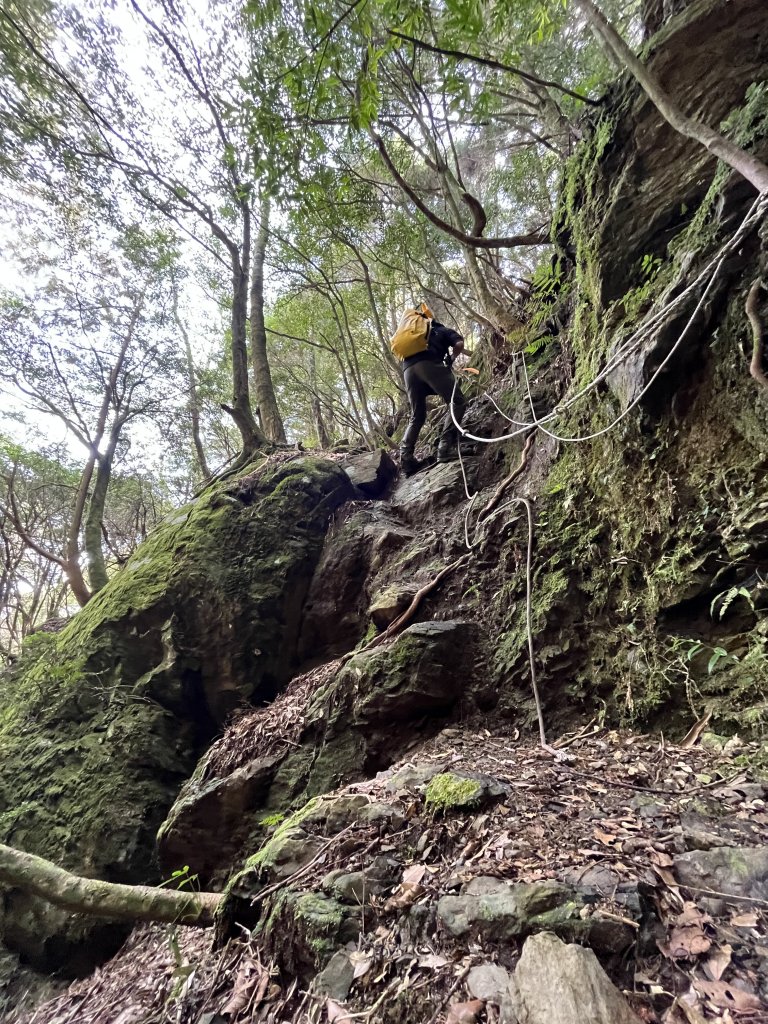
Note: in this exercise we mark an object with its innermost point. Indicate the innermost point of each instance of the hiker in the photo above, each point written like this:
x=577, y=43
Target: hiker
x=427, y=348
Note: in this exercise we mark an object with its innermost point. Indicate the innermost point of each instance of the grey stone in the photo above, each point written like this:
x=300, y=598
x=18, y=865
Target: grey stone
x=355, y=887
x=647, y=807
x=335, y=979
x=507, y=911
x=414, y=776
x=555, y=983
x=736, y=870
x=427, y=491
x=336, y=812
x=597, y=878
x=482, y=885
x=488, y=982
x=371, y=472
x=372, y=708
x=202, y=826
x=281, y=857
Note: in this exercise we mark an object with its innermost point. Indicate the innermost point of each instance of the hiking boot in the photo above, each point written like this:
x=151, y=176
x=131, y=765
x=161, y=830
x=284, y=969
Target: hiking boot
x=447, y=453
x=409, y=464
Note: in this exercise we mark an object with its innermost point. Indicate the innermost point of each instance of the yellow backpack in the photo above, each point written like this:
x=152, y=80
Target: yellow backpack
x=412, y=334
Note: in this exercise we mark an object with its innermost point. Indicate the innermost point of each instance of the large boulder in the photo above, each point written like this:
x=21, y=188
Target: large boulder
x=101, y=722
x=371, y=472
x=360, y=720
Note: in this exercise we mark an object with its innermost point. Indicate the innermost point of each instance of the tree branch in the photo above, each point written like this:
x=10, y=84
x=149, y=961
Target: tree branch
x=754, y=170
x=496, y=65
x=532, y=238
x=104, y=899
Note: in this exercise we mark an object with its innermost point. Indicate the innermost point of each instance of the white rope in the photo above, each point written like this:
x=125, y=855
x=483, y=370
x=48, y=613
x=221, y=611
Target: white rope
x=644, y=391
x=711, y=271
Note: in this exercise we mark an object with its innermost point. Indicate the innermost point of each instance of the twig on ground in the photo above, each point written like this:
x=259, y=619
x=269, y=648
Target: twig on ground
x=652, y=789
x=444, y=1001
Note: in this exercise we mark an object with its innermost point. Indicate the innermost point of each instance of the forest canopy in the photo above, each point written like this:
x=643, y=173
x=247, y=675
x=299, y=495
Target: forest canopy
x=213, y=216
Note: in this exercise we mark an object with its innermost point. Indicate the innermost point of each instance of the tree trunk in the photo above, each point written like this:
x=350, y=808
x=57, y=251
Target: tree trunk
x=323, y=437
x=91, y=896
x=754, y=170
x=192, y=403
x=240, y=411
x=271, y=420
x=94, y=520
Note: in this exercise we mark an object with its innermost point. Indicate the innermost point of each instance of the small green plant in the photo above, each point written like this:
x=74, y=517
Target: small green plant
x=181, y=878
x=690, y=648
x=726, y=599
x=271, y=820
x=650, y=266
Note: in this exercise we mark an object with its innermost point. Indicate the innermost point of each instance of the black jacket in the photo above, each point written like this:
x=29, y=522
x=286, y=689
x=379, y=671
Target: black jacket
x=441, y=338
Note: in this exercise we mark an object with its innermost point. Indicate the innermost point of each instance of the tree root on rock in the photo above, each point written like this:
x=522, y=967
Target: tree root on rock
x=756, y=365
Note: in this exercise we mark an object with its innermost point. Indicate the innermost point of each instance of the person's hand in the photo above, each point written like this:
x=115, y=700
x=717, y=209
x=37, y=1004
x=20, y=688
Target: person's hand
x=458, y=347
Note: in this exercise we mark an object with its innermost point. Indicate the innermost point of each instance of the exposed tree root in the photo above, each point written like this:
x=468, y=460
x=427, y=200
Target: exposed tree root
x=402, y=620
x=516, y=472
x=756, y=365
x=104, y=899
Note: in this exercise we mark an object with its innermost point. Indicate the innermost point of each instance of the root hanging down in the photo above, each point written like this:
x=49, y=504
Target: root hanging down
x=756, y=365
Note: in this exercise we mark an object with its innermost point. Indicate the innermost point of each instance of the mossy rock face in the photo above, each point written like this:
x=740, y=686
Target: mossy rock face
x=652, y=532
x=102, y=722
x=381, y=698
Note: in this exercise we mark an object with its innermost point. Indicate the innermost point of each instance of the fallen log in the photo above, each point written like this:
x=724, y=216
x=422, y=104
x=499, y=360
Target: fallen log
x=96, y=898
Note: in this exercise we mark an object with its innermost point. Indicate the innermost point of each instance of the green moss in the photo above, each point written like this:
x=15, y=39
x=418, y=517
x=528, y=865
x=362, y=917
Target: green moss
x=271, y=820
x=265, y=855
x=448, y=791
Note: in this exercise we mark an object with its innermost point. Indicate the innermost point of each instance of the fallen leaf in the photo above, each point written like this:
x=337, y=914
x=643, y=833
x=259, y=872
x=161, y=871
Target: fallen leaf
x=336, y=1014
x=717, y=962
x=414, y=874
x=727, y=997
x=432, y=960
x=748, y=920
x=464, y=1013
x=407, y=895
x=607, y=838
x=251, y=982
x=361, y=963
x=688, y=939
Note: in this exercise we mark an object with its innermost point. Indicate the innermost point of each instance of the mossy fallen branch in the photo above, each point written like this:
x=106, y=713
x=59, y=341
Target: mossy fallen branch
x=96, y=898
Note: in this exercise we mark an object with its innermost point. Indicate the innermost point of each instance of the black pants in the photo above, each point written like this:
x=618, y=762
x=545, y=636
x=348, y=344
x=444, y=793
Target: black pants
x=430, y=378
